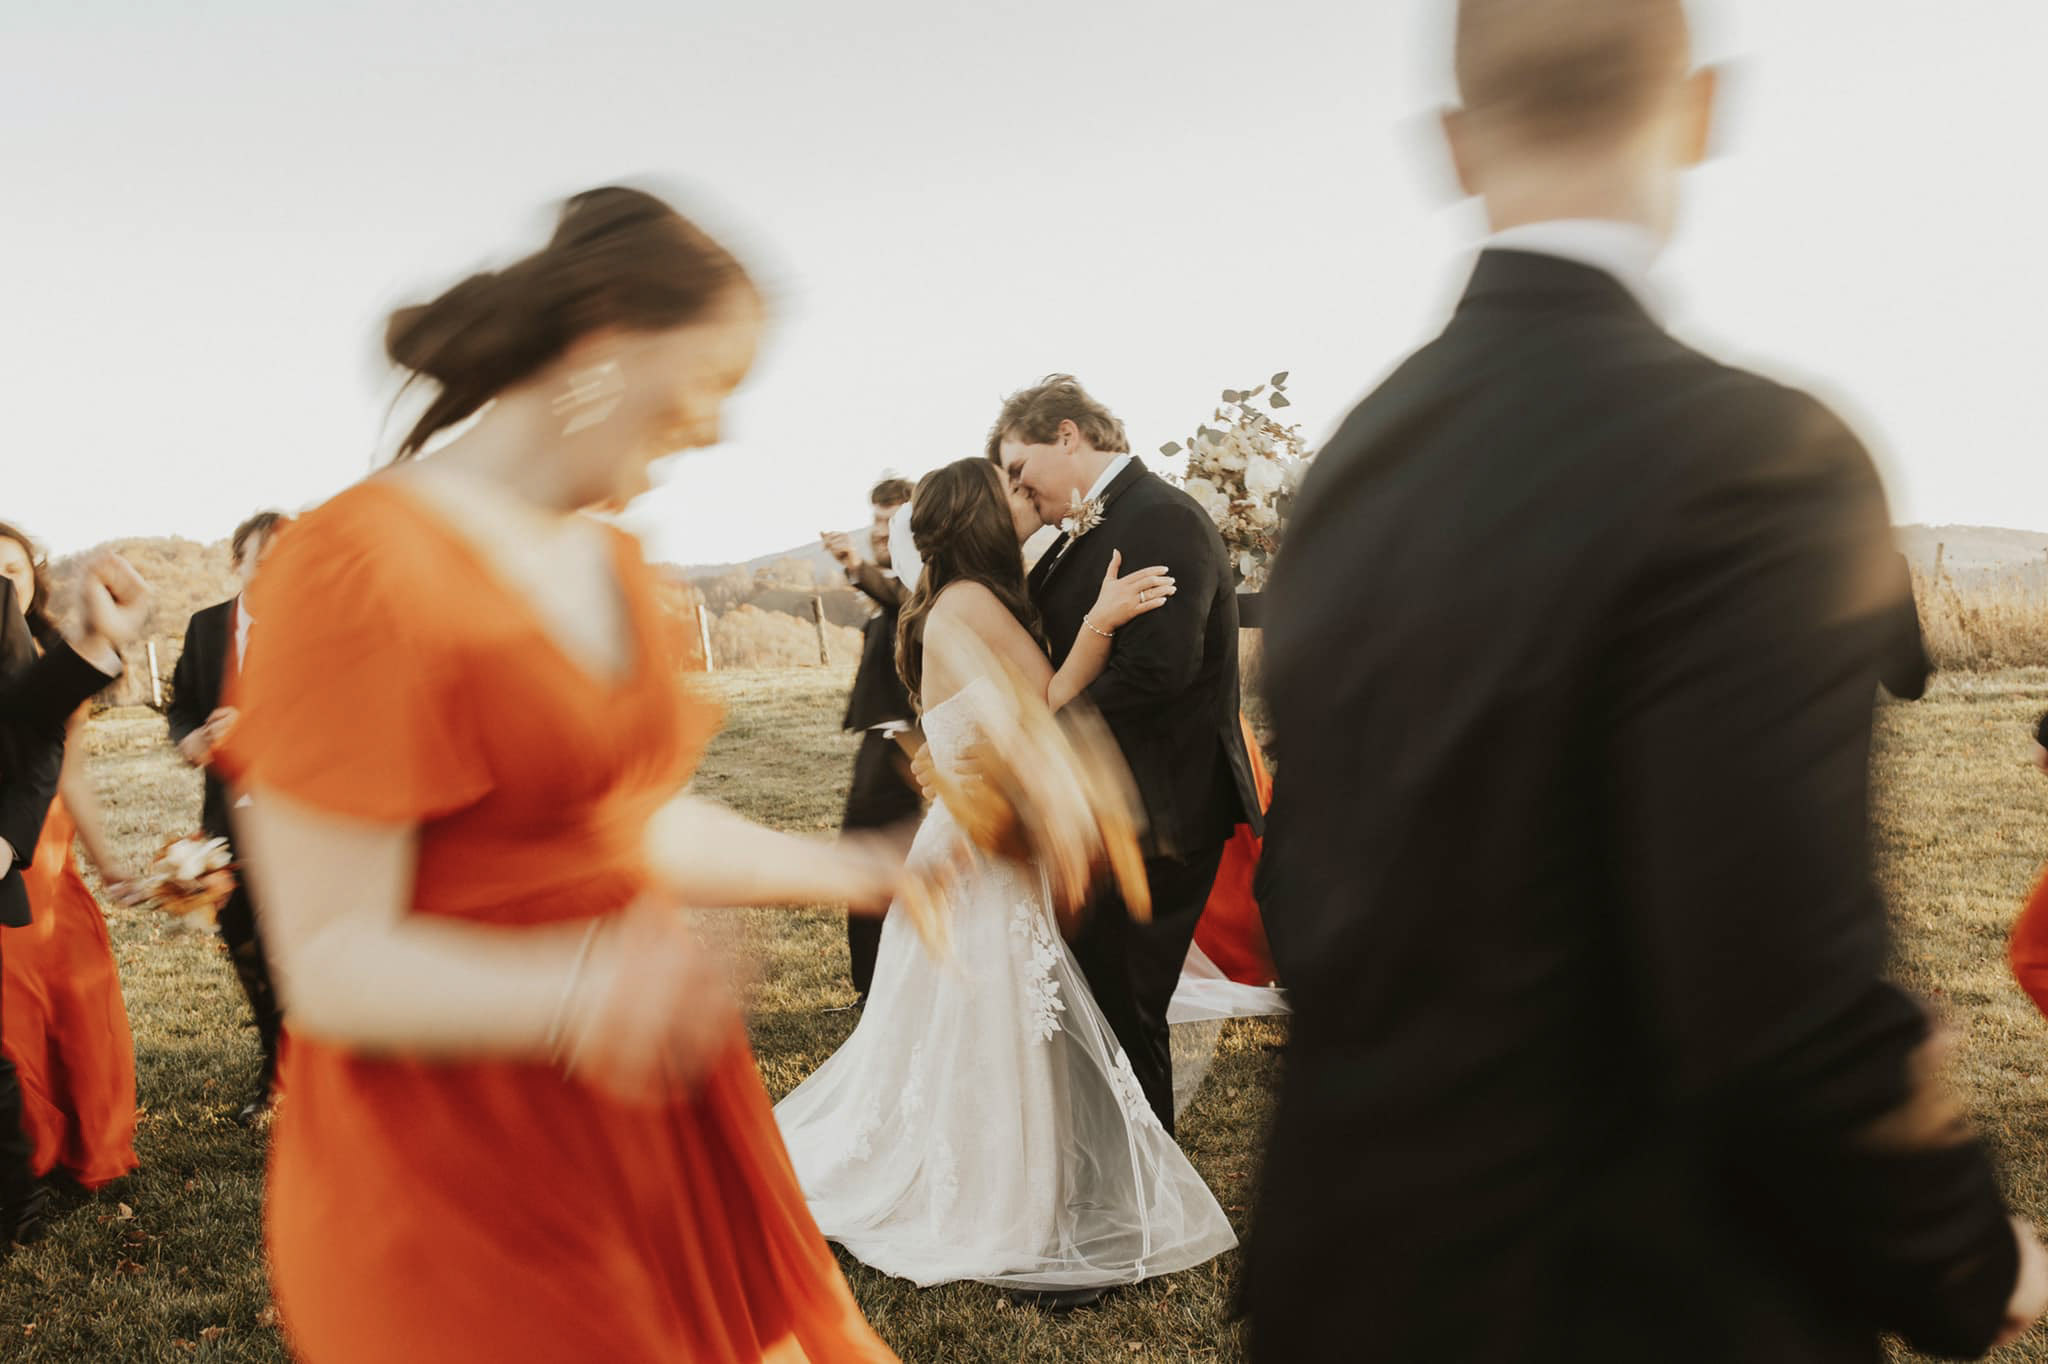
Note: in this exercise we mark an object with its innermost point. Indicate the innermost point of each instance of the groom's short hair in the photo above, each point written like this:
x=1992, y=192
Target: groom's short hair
x=1033, y=415
x=1551, y=72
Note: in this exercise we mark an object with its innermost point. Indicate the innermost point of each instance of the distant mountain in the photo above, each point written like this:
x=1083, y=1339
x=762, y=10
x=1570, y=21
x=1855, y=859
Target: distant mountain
x=823, y=566
x=1975, y=551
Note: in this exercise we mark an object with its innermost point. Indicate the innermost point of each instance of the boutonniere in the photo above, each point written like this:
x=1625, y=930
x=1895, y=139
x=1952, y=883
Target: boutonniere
x=1082, y=516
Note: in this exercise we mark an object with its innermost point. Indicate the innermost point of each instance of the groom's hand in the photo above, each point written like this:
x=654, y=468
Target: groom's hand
x=967, y=770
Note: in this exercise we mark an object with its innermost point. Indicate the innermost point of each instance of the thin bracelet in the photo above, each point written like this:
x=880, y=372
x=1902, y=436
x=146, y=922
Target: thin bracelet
x=561, y=1019
x=1106, y=634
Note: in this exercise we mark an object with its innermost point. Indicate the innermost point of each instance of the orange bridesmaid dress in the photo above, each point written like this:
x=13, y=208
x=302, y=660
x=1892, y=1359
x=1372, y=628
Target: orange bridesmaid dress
x=65, y=1023
x=1231, y=932
x=476, y=1212
x=2027, y=951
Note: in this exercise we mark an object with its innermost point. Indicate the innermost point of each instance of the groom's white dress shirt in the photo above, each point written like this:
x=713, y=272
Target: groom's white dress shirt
x=1627, y=251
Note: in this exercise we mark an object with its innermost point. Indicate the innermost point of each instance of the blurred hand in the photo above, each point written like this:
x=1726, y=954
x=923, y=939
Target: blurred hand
x=220, y=724
x=196, y=748
x=2030, y=1290
x=114, y=600
x=2041, y=757
x=873, y=867
x=839, y=547
x=967, y=769
x=1124, y=599
x=652, y=1011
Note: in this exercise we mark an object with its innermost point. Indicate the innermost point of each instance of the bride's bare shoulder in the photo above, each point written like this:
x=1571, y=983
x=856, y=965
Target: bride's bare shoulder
x=967, y=602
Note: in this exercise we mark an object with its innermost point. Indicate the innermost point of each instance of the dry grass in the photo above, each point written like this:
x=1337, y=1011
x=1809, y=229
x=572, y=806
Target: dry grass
x=1960, y=825
x=1985, y=621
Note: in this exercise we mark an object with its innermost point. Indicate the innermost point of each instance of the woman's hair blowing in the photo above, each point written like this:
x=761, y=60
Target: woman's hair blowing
x=619, y=258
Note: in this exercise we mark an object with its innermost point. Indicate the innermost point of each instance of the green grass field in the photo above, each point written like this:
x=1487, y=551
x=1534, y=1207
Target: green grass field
x=168, y=1265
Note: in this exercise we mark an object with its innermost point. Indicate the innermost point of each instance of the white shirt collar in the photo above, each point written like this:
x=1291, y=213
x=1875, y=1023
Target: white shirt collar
x=1107, y=477
x=1627, y=251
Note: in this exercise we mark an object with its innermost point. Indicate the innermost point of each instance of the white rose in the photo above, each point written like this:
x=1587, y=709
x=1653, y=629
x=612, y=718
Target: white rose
x=1228, y=458
x=1247, y=563
x=1263, y=478
x=1263, y=515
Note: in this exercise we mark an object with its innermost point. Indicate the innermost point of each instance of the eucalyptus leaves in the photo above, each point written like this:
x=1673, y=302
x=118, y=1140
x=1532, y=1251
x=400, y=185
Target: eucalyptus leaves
x=1244, y=471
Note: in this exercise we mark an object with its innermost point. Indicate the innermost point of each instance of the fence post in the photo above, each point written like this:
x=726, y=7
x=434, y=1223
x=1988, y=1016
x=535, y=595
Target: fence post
x=1940, y=548
x=704, y=637
x=818, y=618
x=156, y=686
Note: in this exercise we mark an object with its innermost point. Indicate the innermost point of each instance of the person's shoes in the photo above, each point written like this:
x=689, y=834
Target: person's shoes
x=25, y=1220
x=1062, y=1300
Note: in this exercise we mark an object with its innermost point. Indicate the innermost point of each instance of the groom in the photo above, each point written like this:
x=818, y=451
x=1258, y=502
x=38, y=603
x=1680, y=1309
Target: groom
x=1169, y=693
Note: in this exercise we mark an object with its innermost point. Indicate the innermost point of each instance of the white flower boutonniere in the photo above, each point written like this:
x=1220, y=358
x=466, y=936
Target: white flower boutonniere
x=1082, y=517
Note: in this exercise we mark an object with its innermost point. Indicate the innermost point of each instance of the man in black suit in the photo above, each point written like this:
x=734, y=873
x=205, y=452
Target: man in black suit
x=1169, y=693
x=215, y=640
x=37, y=698
x=879, y=710
x=1571, y=654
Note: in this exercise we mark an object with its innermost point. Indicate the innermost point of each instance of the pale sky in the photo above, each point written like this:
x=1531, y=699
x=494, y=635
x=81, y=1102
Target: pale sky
x=211, y=205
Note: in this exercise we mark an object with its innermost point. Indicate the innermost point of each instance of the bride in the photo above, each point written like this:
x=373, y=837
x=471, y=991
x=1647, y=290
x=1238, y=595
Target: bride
x=982, y=1121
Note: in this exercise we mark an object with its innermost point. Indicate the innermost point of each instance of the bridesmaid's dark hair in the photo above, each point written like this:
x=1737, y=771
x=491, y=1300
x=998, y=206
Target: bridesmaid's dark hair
x=619, y=258
x=960, y=523
x=36, y=609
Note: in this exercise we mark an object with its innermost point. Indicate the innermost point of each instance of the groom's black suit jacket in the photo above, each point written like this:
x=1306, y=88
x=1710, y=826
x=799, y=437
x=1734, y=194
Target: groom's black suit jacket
x=1571, y=654
x=1169, y=693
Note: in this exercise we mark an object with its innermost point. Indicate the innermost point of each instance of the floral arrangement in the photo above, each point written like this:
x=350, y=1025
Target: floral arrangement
x=190, y=878
x=1244, y=471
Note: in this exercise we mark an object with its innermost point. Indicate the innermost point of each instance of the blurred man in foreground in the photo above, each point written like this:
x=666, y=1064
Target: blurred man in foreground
x=1569, y=865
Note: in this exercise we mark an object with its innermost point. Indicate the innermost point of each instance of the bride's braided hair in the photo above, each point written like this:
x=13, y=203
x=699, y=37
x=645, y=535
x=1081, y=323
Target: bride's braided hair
x=960, y=523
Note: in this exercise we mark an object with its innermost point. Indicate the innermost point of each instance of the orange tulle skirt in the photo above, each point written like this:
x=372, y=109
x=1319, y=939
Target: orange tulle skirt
x=65, y=1023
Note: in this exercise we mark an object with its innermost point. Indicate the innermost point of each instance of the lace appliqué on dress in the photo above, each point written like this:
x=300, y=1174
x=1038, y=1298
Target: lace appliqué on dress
x=1042, y=1002
x=858, y=1142
x=1130, y=1094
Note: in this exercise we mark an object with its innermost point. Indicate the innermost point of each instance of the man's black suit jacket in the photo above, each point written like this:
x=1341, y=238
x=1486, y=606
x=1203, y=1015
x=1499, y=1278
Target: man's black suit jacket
x=37, y=698
x=196, y=686
x=878, y=695
x=1571, y=653
x=1169, y=693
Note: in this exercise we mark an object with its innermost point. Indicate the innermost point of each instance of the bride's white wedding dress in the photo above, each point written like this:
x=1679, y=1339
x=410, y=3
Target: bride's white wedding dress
x=982, y=1122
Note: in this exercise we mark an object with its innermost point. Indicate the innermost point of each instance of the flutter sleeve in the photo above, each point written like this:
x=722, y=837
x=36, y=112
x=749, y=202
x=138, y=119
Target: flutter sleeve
x=352, y=697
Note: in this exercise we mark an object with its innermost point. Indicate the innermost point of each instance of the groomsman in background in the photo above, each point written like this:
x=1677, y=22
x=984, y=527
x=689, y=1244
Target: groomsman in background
x=37, y=698
x=215, y=641
x=883, y=792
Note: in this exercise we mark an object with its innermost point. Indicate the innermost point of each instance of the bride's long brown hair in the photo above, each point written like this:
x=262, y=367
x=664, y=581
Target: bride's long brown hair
x=960, y=523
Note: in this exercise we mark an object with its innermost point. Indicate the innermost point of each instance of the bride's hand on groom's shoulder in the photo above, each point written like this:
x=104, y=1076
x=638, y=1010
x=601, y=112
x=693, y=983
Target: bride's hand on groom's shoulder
x=1126, y=596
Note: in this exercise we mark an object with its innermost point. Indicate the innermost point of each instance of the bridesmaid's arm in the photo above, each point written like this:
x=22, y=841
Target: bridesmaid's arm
x=354, y=966
x=707, y=855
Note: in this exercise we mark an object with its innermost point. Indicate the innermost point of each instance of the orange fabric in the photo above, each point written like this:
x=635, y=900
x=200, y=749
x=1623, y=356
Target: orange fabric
x=477, y=1212
x=65, y=1023
x=1231, y=932
x=2027, y=950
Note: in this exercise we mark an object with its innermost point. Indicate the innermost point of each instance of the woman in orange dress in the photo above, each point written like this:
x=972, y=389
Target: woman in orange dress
x=65, y=1022
x=521, y=1118
x=2027, y=951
